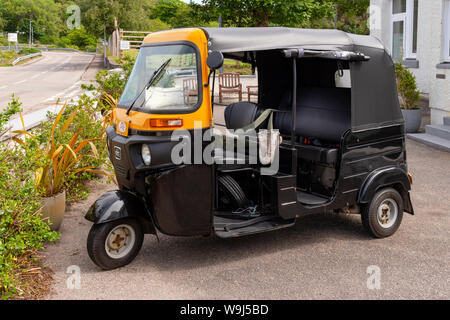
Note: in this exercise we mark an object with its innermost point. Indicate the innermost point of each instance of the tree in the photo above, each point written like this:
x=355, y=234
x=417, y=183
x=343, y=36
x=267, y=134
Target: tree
x=352, y=16
x=262, y=13
x=2, y=22
x=165, y=10
x=175, y=13
x=96, y=15
x=47, y=22
x=79, y=38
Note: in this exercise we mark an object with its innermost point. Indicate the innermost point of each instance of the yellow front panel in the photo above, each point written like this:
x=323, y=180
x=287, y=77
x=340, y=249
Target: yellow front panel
x=141, y=121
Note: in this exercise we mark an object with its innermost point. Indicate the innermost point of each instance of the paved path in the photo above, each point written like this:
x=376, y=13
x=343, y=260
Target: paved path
x=322, y=257
x=40, y=83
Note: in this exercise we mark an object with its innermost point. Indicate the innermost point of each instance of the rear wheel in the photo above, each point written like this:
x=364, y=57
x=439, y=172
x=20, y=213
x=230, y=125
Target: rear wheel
x=115, y=244
x=383, y=215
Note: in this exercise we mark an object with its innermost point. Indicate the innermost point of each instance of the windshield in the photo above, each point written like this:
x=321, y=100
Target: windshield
x=174, y=89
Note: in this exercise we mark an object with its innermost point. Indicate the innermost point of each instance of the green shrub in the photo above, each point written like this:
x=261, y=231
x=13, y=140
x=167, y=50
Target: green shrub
x=408, y=94
x=112, y=82
x=27, y=51
x=22, y=231
x=87, y=121
x=78, y=39
x=7, y=57
x=12, y=109
x=3, y=40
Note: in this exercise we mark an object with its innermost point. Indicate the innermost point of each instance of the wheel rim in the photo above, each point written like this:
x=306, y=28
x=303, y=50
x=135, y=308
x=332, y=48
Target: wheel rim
x=387, y=213
x=120, y=241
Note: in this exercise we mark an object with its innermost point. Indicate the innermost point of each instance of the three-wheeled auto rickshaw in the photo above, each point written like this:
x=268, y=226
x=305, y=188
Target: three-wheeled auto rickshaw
x=327, y=114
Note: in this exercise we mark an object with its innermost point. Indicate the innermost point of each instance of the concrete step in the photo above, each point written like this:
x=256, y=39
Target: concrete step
x=439, y=131
x=430, y=140
x=447, y=121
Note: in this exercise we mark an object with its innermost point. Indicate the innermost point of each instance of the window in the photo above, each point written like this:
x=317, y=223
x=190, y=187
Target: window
x=447, y=31
x=175, y=88
x=404, y=29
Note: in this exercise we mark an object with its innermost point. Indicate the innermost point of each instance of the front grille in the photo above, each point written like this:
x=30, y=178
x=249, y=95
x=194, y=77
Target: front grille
x=121, y=170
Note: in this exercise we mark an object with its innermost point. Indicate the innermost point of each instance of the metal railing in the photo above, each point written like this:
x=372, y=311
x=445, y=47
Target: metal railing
x=26, y=57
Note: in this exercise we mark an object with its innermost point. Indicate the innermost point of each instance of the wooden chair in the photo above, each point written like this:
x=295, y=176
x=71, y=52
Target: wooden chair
x=190, y=88
x=229, y=83
x=252, y=91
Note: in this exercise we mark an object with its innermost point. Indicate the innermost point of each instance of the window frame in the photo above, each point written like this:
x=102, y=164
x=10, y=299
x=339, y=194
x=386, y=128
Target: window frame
x=446, y=31
x=408, y=29
x=199, y=79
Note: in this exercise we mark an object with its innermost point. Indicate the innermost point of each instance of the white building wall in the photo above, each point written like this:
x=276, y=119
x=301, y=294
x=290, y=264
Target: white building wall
x=430, y=39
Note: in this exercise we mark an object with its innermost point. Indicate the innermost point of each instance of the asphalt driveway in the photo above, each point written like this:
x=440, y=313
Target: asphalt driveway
x=322, y=257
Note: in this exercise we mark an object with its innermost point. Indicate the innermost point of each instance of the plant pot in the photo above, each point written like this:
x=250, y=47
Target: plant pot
x=53, y=209
x=413, y=120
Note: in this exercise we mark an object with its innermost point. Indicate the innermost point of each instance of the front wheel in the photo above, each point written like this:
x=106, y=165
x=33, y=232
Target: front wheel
x=383, y=215
x=115, y=244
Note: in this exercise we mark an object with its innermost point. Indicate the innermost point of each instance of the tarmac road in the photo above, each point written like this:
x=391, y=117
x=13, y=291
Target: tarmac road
x=41, y=82
x=322, y=257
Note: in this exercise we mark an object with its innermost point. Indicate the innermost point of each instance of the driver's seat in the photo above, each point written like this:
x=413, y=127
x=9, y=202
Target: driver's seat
x=239, y=115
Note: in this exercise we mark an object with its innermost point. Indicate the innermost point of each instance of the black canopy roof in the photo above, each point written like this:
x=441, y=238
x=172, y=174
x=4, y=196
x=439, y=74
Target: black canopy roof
x=374, y=91
x=256, y=39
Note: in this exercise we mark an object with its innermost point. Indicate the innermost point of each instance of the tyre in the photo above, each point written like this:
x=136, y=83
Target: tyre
x=232, y=195
x=383, y=215
x=115, y=244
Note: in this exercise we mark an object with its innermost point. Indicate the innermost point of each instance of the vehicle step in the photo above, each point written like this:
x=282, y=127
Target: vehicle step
x=310, y=199
x=446, y=121
x=439, y=131
x=430, y=140
x=231, y=228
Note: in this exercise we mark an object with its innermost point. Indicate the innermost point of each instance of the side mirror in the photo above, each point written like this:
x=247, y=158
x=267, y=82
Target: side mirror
x=215, y=60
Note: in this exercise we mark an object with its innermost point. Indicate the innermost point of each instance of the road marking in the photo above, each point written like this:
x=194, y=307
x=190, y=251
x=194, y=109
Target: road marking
x=64, y=94
x=19, y=82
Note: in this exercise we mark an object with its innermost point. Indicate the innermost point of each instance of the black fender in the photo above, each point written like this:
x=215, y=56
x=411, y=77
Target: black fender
x=387, y=177
x=116, y=205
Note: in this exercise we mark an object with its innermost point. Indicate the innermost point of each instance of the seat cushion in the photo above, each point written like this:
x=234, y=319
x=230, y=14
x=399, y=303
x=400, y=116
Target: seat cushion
x=240, y=114
x=322, y=113
x=317, y=154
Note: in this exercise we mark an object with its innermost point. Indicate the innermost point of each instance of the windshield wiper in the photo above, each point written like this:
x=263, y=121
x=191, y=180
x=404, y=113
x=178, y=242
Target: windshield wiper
x=150, y=82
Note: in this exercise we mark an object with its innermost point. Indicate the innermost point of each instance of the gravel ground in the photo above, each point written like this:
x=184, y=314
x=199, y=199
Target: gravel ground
x=322, y=257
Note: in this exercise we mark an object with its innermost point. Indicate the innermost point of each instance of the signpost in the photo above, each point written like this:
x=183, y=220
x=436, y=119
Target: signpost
x=12, y=37
x=124, y=45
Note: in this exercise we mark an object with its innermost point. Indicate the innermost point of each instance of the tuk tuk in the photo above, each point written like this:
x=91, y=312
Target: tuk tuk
x=329, y=137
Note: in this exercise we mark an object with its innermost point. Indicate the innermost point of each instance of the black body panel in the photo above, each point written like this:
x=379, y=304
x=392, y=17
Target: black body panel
x=368, y=161
x=116, y=205
x=182, y=200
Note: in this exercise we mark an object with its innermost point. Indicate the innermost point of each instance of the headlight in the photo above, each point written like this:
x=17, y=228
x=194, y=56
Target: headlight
x=146, y=156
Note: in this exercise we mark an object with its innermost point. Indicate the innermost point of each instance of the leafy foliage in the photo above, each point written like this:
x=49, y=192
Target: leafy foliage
x=61, y=159
x=26, y=51
x=113, y=82
x=352, y=16
x=259, y=13
x=409, y=96
x=22, y=231
x=78, y=39
x=12, y=109
x=45, y=14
